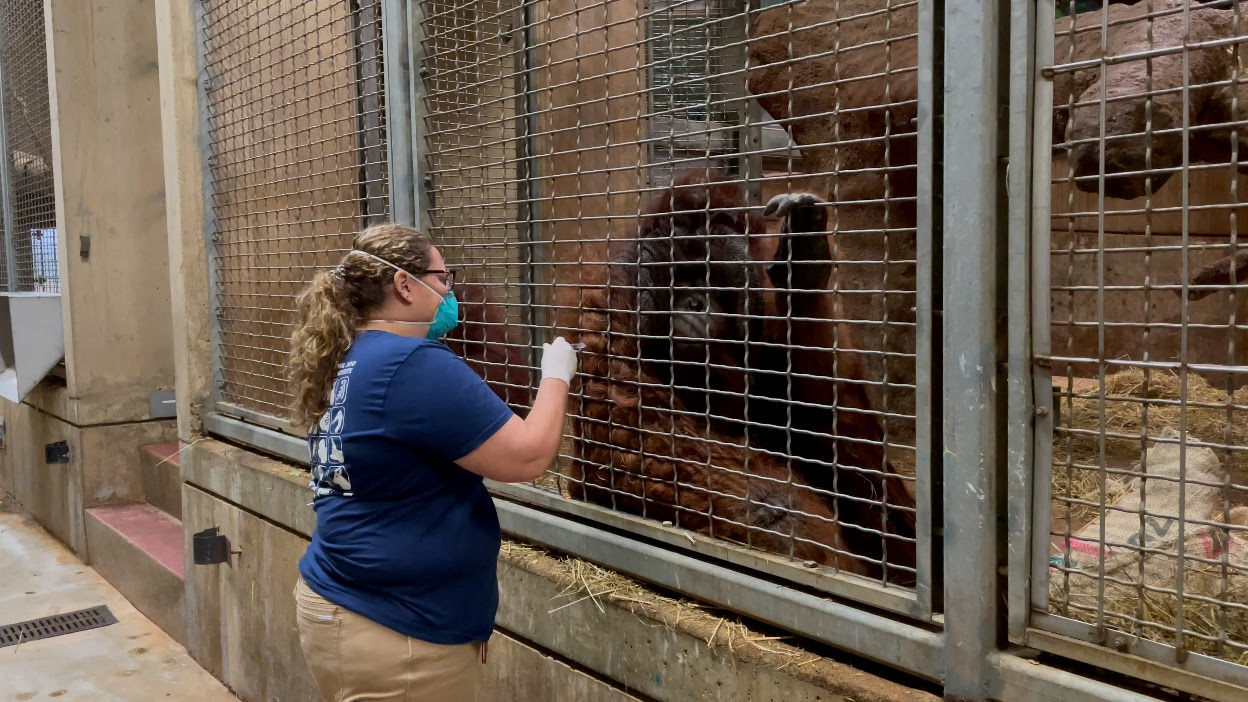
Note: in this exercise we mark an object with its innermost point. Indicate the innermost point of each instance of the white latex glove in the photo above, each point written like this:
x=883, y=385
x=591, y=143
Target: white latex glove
x=559, y=360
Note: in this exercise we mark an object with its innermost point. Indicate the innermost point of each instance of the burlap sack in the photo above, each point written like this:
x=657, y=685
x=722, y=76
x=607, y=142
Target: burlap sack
x=1215, y=560
x=1148, y=512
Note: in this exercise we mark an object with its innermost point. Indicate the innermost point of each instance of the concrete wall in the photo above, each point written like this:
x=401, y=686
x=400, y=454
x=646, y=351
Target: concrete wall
x=106, y=152
x=103, y=467
x=242, y=623
x=241, y=619
x=51, y=493
x=109, y=187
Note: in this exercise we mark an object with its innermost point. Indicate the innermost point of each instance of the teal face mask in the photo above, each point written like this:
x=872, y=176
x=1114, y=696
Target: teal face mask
x=445, y=318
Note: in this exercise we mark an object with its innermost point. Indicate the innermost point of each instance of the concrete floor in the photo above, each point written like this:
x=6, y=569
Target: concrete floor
x=130, y=661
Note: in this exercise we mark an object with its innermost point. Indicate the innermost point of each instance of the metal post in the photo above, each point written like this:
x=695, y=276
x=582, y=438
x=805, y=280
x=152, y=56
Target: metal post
x=974, y=265
x=422, y=184
x=1021, y=396
x=527, y=110
x=211, y=236
x=6, y=183
x=929, y=587
x=749, y=114
x=1041, y=479
x=370, y=64
x=400, y=156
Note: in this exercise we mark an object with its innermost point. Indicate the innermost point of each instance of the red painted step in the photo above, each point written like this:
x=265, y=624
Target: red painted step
x=163, y=453
x=150, y=530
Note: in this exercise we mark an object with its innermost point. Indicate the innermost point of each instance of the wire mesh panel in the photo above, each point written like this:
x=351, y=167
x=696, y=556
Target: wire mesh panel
x=602, y=170
x=29, y=258
x=1147, y=496
x=296, y=125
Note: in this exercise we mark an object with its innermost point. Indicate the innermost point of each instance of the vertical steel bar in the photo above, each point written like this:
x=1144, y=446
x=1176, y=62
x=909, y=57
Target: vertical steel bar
x=973, y=250
x=749, y=112
x=928, y=299
x=1181, y=649
x=6, y=183
x=529, y=190
x=1040, y=312
x=369, y=59
x=211, y=237
x=1102, y=477
x=422, y=183
x=1020, y=402
x=397, y=57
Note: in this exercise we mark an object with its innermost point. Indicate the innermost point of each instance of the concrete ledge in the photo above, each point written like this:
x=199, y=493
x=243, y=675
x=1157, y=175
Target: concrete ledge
x=664, y=649
x=138, y=549
x=276, y=491
x=124, y=405
x=517, y=671
x=162, y=477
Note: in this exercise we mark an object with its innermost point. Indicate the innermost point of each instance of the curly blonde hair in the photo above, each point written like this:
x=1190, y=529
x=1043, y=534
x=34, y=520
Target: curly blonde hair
x=334, y=306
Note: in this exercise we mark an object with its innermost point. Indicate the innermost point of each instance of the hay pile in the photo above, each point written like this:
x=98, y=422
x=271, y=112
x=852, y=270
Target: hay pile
x=1135, y=413
x=1139, y=558
x=1215, y=602
x=583, y=581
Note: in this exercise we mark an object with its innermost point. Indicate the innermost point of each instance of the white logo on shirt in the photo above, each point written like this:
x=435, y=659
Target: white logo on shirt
x=329, y=465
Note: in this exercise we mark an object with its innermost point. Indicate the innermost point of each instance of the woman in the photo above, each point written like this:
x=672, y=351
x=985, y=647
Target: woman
x=398, y=588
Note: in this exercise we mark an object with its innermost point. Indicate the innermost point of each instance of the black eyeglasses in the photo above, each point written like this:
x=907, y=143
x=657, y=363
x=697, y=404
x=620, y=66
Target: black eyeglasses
x=445, y=276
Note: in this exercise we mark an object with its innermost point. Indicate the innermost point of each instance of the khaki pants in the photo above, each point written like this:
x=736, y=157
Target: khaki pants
x=353, y=658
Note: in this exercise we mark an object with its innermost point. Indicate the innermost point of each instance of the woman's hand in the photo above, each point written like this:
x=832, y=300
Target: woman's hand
x=524, y=448
x=559, y=360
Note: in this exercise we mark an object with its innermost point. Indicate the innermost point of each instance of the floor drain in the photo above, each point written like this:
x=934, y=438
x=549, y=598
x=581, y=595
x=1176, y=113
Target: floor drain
x=56, y=625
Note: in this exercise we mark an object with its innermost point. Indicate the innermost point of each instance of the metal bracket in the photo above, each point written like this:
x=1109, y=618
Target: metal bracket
x=56, y=452
x=210, y=547
x=84, y=247
x=162, y=404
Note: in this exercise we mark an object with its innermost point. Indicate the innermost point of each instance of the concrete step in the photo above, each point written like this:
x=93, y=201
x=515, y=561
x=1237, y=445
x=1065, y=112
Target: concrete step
x=162, y=477
x=138, y=549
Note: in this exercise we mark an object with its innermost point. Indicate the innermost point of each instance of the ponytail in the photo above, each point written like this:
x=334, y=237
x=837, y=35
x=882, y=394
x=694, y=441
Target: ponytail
x=335, y=305
x=326, y=327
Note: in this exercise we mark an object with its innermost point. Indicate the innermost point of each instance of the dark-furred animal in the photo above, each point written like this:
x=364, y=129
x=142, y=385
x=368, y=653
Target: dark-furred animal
x=719, y=389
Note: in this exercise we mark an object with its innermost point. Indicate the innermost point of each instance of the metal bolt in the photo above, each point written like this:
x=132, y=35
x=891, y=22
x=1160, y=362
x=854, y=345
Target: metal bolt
x=1120, y=644
x=811, y=564
x=1042, y=411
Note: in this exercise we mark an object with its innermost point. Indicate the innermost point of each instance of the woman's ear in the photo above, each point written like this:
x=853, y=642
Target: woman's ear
x=403, y=287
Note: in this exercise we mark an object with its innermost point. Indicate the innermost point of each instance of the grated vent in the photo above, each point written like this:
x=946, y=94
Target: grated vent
x=56, y=625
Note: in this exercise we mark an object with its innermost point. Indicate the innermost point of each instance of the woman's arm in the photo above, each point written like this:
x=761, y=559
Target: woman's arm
x=524, y=448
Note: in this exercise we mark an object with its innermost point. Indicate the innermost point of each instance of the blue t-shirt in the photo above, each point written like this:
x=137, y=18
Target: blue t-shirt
x=404, y=536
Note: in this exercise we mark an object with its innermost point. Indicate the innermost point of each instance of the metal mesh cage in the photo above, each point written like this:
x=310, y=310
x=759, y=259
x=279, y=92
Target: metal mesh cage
x=1148, y=501
x=601, y=170
x=29, y=259
x=296, y=124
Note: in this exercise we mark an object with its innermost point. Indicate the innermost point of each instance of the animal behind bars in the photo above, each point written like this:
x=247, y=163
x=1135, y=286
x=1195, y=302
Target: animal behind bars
x=719, y=393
